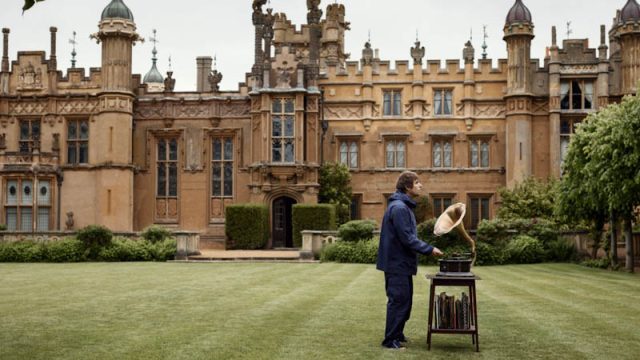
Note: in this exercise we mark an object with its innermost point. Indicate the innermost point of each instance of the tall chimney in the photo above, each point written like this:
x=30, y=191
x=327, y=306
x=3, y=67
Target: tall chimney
x=204, y=68
x=53, y=62
x=5, y=49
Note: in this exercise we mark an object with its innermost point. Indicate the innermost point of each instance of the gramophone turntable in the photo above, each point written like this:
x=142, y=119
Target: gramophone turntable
x=456, y=264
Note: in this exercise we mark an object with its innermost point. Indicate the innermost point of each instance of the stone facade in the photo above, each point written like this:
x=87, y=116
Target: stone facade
x=118, y=152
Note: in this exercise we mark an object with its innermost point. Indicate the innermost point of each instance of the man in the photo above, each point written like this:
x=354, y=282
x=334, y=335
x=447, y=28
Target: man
x=398, y=256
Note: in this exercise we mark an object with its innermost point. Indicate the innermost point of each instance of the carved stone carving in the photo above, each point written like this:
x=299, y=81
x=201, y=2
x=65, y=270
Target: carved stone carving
x=579, y=69
x=214, y=80
x=78, y=106
x=460, y=109
x=234, y=109
x=149, y=112
x=489, y=110
x=426, y=110
x=55, y=146
x=30, y=78
x=191, y=111
x=69, y=223
x=24, y=108
x=417, y=53
x=367, y=54
x=344, y=112
x=284, y=76
x=169, y=82
x=408, y=109
x=3, y=141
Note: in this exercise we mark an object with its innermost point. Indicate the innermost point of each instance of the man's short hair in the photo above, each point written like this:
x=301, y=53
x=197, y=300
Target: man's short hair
x=406, y=180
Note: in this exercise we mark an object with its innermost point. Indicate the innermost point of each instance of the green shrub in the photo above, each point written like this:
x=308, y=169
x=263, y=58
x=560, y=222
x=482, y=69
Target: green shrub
x=560, y=250
x=247, y=226
x=155, y=233
x=312, y=217
x=3, y=227
x=94, y=238
x=500, y=231
x=602, y=263
x=335, y=189
x=423, y=210
x=487, y=254
x=23, y=251
x=163, y=250
x=122, y=249
x=66, y=250
x=357, y=230
x=524, y=249
x=361, y=252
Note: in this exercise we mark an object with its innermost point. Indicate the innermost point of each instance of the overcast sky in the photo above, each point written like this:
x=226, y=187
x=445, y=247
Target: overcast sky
x=191, y=28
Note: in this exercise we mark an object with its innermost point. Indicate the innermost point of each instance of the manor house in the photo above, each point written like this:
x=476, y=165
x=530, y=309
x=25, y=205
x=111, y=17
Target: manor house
x=114, y=148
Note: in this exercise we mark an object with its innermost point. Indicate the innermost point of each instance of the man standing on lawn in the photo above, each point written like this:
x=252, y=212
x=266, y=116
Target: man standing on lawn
x=398, y=256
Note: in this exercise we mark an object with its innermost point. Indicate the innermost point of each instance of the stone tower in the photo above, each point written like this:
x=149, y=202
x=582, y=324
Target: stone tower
x=111, y=129
x=518, y=33
x=626, y=33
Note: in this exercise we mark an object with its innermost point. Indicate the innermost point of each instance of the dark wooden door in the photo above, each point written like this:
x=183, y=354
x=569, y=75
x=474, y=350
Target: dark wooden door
x=282, y=234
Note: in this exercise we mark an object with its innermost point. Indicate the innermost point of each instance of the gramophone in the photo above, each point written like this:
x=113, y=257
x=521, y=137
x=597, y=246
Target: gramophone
x=457, y=264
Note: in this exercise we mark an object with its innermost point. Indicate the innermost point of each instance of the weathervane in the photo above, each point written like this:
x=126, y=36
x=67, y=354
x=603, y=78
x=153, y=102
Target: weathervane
x=73, y=52
x=569, y=31
x=484, y=41
x=170, y=63
x=154, y=40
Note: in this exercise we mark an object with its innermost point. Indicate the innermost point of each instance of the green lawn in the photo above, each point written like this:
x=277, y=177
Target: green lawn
x=302, y=311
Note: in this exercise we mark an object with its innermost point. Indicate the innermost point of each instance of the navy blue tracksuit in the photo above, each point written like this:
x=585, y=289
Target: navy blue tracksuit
x=398, y=258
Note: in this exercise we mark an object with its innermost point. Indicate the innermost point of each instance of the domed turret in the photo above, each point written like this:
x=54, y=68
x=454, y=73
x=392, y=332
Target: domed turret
x=519, y=13
x=153, y=79
x=630, y=12
x=117, y=10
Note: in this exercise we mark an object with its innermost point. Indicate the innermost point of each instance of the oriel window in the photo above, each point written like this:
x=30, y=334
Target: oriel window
x=442, y=102
x=29, y=135
x=283, y=131
x=222, y=167
x=392, y=102
x=77, y=142
x=576, y=95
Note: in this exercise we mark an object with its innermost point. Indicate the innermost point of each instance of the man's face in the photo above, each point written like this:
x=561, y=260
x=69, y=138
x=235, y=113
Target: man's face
x=416, y=189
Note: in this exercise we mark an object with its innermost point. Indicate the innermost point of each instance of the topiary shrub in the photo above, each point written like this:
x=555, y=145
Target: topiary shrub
x=247, y=226
x=312, y=217
x=155, y=233
x=94, y=238
x=361, y=252
x=66, y=250
x=524, y=249
x=357, y=230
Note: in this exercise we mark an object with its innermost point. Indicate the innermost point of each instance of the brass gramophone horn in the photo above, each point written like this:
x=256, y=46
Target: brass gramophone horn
x=452, y=219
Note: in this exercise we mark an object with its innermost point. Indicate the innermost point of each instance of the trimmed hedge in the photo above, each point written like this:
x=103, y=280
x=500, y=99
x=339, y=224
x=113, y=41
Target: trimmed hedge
x=247, y=226
x=73, y=250
x=500, y=231
x=360, y=252
x=312, y=217
x=357, y=230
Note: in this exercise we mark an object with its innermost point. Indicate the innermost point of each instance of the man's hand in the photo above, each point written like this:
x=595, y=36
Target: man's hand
x=437, y=252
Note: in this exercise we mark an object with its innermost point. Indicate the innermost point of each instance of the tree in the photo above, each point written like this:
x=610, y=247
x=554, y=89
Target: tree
x=581, y=197
x=532, y=198
x=28, y=4
x=335, y=189
x=603, y=170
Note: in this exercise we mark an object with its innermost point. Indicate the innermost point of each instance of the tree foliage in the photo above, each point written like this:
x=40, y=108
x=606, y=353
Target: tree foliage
x=602, y=167
x=532, y=198
x=335, y=188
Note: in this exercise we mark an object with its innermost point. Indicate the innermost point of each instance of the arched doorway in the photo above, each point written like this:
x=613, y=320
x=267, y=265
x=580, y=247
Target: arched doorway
x=281, y=224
